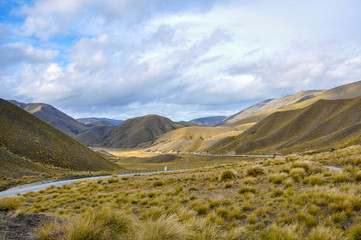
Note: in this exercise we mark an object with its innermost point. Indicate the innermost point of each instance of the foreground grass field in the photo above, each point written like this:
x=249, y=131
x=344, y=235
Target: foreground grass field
x=294, y=197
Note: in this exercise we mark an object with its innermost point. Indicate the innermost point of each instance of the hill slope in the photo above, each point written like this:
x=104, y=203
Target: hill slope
x=54, y=117
x=323, y=124
x=139, y=131
x=272, y=104
x=191, y=139
x=346, y=91
x=27, y=140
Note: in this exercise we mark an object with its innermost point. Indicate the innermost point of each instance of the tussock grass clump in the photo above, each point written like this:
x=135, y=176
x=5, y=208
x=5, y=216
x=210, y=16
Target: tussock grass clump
x=228, y=185
x=165, y=227
x=100, y=224
x=315, y=180
x=354, y=232
x=297, y=173
x=277, y=178
x=51, y=231
x=227, y=175
x=325, y=233
x=246, y=189
x=158, y=183
x=341, y=178
x=274, y=232
x=302, y=164
x=249, y=181
x=358, y=176
x=9, y=204
x=255, y=171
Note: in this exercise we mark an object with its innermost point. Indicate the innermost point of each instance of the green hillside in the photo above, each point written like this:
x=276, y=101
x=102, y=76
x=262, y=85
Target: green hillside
x=324, y=124
x=24, y=136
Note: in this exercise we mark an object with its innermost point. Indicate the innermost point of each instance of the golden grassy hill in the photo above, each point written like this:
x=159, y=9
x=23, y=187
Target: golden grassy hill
x=323, y=124
x=272, y=104
x=192, y=139
x=26, y=141
x=346, y=91
x=139, y=131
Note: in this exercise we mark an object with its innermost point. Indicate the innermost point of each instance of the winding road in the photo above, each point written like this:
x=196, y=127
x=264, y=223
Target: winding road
x=34, y=187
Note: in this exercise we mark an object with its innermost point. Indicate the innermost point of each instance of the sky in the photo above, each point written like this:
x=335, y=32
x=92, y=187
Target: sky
x=180, y=59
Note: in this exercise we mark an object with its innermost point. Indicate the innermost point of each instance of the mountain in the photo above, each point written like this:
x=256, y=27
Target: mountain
x=272, y=104
x=92, y=135
x=54, y=117
x=192, y=139
x=208, y=121
x=139, y=131
x=323, y=124
x=29, y=145
x=341, y=92
x=93, y=120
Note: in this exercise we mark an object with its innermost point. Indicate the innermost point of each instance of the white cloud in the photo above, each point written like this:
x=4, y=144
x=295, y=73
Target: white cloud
x=194, y=54
x=15, y=53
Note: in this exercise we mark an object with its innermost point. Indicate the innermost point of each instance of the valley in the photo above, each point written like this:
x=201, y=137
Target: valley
x=287, y=168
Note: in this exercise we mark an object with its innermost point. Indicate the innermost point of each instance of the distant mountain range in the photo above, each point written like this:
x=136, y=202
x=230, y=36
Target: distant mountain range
x=30, y=146
x=93, y=120
x=234, y=133
x=208, y=121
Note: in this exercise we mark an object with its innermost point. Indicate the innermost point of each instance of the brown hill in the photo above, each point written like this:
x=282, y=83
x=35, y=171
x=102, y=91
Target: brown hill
x=192, y=139
x=323, y=124
x=272, y=104
x=139, y=131
x=346, y=91
x=26, y=140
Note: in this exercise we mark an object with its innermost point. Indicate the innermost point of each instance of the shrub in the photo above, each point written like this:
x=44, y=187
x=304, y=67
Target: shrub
x=255, y=171
x=228, y=175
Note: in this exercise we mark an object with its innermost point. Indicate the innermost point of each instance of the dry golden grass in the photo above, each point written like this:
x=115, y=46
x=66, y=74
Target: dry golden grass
x=258, y=200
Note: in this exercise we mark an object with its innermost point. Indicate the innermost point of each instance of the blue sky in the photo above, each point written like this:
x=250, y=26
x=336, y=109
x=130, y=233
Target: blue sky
x=180, y=59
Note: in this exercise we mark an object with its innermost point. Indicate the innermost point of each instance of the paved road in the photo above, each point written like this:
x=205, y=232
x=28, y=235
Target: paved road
x=34, y=187
x=22, y=189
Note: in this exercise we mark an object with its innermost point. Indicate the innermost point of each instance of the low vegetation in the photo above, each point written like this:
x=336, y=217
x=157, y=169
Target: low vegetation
x=293, y=197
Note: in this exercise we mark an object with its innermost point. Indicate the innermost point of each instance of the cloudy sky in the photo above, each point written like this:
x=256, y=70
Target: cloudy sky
x=180, y=59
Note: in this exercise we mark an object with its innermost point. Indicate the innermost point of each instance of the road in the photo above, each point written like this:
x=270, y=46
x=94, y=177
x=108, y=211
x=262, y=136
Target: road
x=34, y=187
